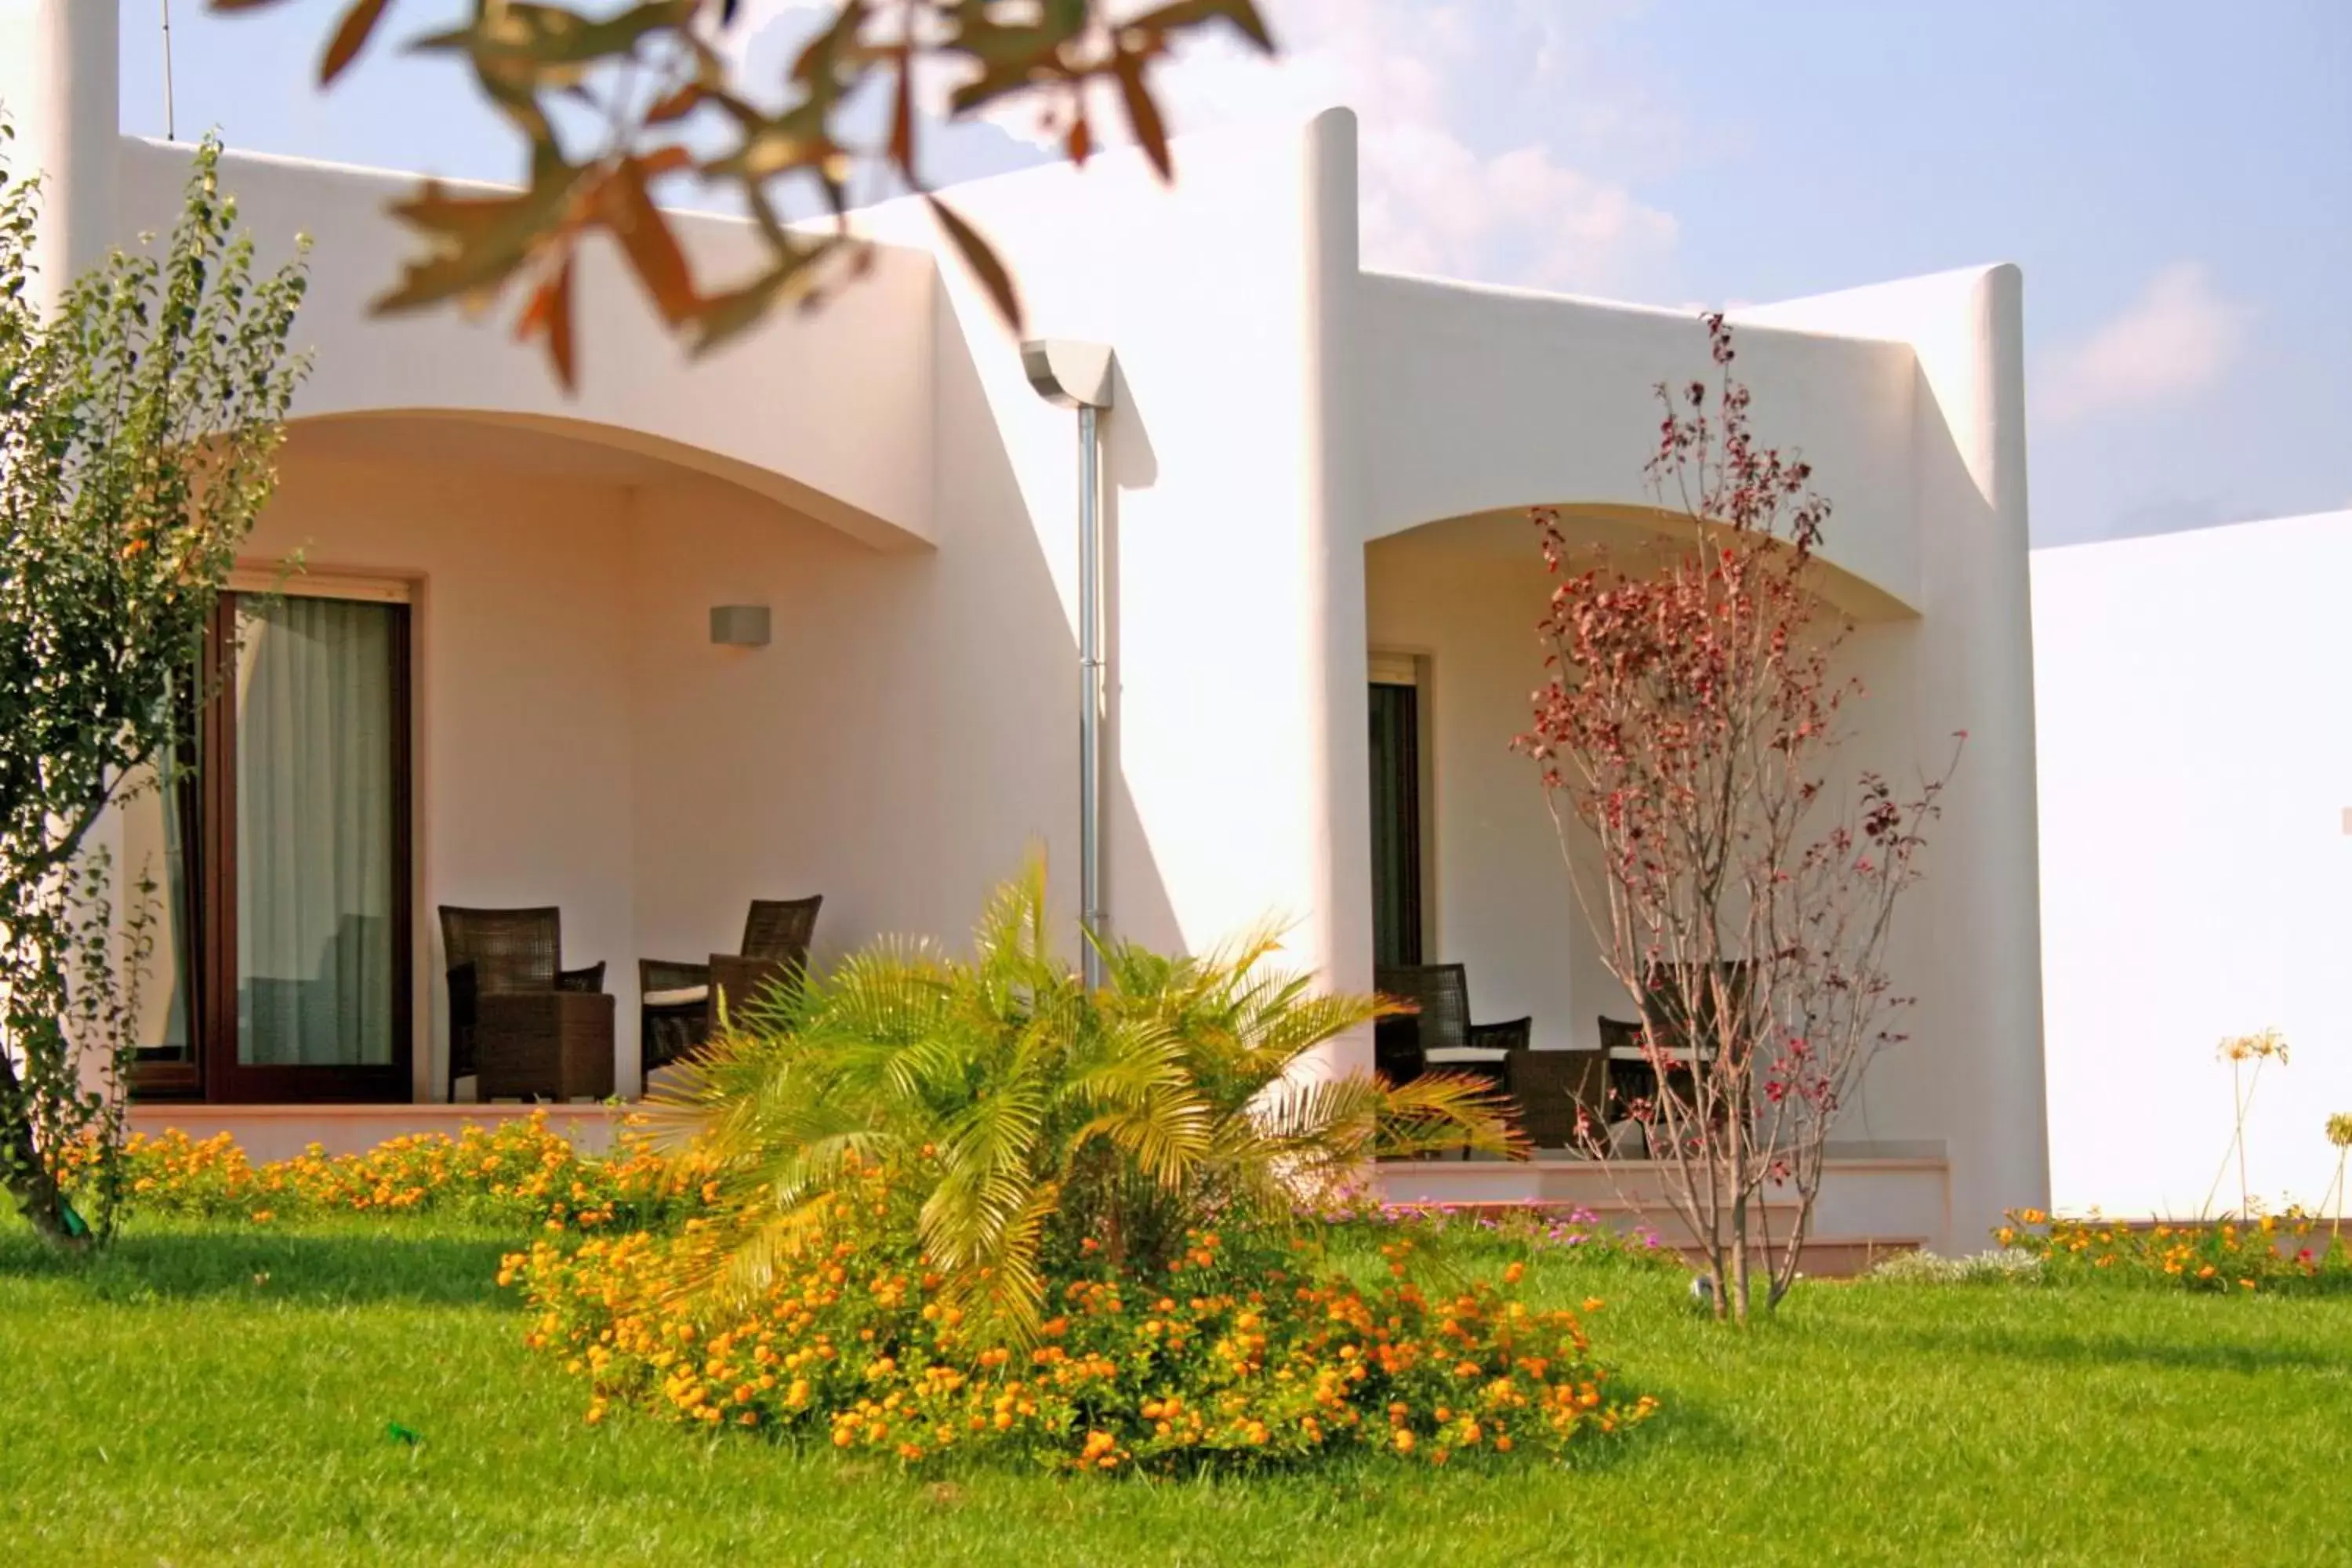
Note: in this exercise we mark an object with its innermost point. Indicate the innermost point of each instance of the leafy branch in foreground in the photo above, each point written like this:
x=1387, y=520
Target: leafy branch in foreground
x=609, y=102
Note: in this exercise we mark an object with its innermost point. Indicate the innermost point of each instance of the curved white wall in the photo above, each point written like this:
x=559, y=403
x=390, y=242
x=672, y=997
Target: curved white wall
x=1972, y=1073
x=1476, y=399
x=835, y=408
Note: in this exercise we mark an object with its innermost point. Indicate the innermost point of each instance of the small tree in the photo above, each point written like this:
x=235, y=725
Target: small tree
x=1683, y=733
x=138, y=421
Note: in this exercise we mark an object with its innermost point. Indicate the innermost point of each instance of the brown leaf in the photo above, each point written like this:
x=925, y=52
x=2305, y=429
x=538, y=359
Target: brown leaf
x=983, y=260
x=1186, y=13
x=996, y=81
x=1080, y=143
x=548, y=314
x=725, y=316
x=1141, y=112
x=902, y=115
x=677, y=105
x=820, y=55
x=479, y=241
x=644, y=234
x=351, y=37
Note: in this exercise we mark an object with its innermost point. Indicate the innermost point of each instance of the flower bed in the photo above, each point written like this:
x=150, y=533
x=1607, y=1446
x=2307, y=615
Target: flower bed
x=2271, y=1252
x=1248, y=1348
x=521, y=1171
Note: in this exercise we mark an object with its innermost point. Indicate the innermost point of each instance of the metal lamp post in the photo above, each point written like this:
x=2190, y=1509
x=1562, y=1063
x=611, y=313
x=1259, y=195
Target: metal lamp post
x=1079, y=375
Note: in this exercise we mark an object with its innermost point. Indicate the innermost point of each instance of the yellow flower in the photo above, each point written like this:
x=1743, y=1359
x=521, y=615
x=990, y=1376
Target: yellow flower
x=2254, y=1047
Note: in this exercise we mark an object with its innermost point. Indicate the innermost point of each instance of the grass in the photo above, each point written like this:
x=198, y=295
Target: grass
x=223, y=1395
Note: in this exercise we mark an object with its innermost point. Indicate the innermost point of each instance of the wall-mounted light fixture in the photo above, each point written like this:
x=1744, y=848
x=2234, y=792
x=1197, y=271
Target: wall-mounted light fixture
x=1079, y=375
x=739, y=625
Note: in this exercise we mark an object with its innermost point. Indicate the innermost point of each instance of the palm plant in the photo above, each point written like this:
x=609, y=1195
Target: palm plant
x=1034, y=1118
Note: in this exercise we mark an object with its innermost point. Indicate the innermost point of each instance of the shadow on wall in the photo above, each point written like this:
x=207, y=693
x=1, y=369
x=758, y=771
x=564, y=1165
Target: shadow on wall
x=906, y=738
x=1128, y=464
x=911, y=733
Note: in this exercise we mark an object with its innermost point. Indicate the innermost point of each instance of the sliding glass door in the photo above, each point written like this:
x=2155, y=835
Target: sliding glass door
x=296, y=917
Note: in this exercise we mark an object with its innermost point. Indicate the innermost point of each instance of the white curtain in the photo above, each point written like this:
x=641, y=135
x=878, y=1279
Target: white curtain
x=314, y=833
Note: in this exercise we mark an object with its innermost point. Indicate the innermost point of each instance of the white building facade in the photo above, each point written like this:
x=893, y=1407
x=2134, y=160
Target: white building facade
x=2196, y=860
x=1312, y=473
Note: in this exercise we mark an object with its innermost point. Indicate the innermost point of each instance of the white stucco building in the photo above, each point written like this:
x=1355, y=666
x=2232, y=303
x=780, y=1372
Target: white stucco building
x=1311, y=471
x=2196, y=859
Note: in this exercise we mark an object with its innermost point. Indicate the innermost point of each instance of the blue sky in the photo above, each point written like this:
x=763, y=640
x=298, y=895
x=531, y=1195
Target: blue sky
x=2174, y=178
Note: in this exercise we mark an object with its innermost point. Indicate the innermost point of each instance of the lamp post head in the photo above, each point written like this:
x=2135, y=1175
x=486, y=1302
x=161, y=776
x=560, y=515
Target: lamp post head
x=1068, y=374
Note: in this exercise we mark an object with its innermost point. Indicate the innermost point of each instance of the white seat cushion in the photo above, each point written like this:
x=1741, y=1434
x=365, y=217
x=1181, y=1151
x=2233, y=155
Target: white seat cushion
x=677, y=997
x=1463, y=1056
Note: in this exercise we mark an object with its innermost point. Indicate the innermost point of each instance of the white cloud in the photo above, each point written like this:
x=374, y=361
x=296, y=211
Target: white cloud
x=1431, y=201
x=1416, y=73
x=2174, y=341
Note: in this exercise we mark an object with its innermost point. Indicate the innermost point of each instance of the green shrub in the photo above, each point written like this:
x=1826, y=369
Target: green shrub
x=2004, y=1266
x=1046, y=1120
x=1244, y=1345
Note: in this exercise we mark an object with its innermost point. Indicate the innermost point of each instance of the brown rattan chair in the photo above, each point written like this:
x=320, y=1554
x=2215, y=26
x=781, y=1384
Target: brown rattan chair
x=519, y=1023
x=1440, y=1022
x=1633, y=1075
x=1557, y=1092
x=679, y=1001
x=1440, y=994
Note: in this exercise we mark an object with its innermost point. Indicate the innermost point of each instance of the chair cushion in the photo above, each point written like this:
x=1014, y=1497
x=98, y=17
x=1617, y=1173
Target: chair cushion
x=678, y=996
x=1458, y=1056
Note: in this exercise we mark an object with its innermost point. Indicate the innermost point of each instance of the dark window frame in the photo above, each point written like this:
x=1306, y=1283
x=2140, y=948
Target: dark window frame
x=208, y=805
x=1406, y=785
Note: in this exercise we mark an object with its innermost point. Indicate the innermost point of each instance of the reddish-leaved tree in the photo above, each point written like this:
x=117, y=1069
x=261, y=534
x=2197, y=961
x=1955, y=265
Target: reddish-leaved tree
x=1684, y=731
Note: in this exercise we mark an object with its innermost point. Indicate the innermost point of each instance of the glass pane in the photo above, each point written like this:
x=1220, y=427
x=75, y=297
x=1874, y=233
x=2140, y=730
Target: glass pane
x=314, y=833
x=1396, y=840
x=152, y=870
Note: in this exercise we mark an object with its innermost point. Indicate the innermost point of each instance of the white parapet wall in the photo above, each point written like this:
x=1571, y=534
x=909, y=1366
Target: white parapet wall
x=2196, y=806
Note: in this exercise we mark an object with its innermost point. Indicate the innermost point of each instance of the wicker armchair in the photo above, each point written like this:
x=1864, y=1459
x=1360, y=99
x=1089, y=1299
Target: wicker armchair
x=1555, y=1091
x=1632, y=1076
x=679, y=1001
x=1402, y=1046
x=1438, y=1034
x=519, y=1023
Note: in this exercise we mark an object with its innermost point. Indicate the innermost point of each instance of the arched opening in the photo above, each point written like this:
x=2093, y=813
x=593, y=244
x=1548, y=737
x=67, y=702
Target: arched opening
x=550, y=447
x=1467, y=864
x=499, y=662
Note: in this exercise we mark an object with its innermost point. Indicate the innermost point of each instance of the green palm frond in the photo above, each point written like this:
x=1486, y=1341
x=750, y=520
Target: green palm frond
x=1037, y=1111
x=1440, y=1113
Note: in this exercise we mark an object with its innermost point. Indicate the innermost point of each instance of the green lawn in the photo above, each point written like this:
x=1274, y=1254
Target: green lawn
x=221, y=1395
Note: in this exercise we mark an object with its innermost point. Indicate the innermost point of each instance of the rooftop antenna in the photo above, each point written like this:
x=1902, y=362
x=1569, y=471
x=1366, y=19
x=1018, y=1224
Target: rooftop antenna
x=169, y=126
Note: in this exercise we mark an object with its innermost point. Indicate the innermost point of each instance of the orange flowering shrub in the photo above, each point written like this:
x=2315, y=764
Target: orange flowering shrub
x=1245, y=1347
x=2271, y=1252
x=518, y=1171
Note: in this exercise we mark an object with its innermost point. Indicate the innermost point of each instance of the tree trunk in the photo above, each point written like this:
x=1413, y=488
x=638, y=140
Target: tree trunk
x=1739, y=1259
x=33, y=1187
x=1737, y=1164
